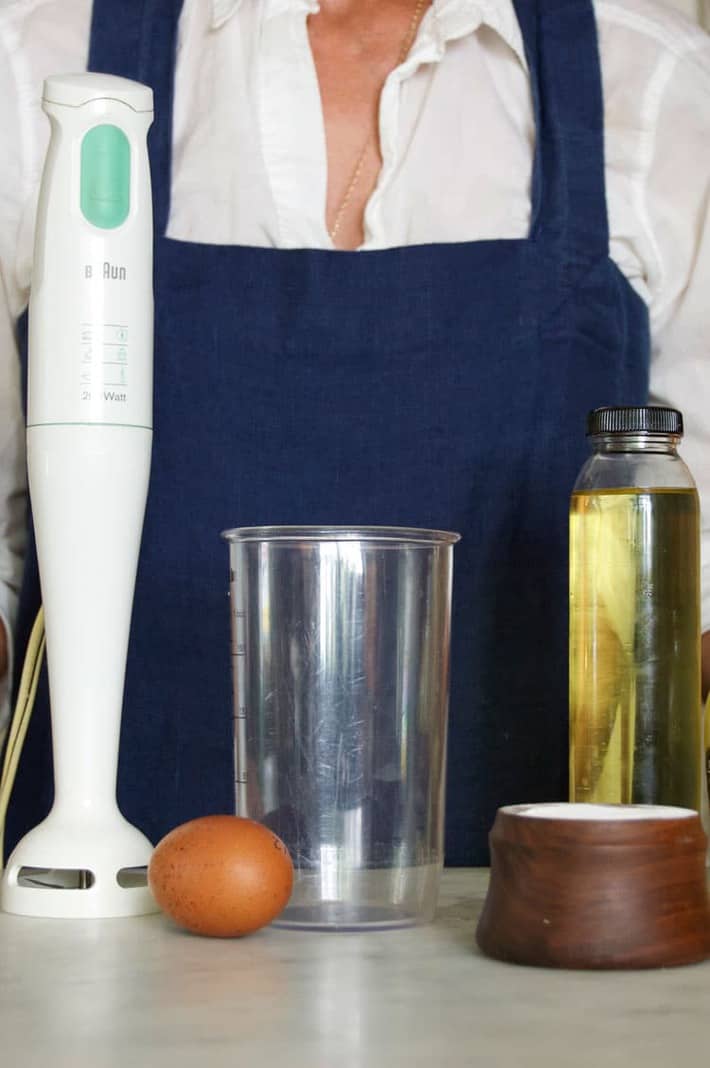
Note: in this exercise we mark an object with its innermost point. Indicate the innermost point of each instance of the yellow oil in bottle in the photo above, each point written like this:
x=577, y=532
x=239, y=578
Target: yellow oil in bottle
x=635, y=705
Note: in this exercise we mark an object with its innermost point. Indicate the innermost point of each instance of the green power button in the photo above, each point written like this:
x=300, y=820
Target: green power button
x=105, y=176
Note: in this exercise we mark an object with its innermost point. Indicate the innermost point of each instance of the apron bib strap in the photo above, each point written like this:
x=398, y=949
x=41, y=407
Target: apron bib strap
x=142, y=44
x=569, y=186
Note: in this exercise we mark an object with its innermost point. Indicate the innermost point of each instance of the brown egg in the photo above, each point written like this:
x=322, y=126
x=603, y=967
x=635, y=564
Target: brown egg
x=221, y=875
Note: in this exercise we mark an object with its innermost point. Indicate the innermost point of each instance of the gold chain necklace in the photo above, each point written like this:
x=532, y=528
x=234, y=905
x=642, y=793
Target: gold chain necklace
x=407, y=42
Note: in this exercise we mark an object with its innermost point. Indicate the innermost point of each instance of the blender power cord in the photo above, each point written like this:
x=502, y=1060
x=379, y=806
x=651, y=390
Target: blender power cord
x=21, y=718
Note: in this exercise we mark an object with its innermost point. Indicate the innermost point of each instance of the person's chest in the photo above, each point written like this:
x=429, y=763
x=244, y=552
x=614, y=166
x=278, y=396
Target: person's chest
x=454, y=122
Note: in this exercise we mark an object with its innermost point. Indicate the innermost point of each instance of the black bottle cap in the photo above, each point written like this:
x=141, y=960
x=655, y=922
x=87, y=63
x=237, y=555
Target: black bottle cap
x=650, y=420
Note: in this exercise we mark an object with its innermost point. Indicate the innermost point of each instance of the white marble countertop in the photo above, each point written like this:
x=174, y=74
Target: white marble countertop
x=140, y=993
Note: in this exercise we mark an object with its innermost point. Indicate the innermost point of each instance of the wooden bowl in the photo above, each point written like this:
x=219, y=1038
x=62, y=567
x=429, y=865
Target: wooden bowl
x=597, y=886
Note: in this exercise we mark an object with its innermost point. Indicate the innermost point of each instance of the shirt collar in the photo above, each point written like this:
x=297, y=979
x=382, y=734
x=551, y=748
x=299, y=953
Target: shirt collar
x=498, y=14
x=222, y=10
x=456, y=17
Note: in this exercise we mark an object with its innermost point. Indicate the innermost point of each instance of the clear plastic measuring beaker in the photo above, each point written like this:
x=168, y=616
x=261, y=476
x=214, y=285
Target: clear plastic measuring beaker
x=340, y=653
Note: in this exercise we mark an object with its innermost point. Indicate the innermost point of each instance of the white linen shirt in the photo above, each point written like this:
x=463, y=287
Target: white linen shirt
x=250, y=167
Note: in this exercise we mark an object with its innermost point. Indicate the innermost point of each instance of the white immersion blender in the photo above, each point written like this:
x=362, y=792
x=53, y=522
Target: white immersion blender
x=89, y=436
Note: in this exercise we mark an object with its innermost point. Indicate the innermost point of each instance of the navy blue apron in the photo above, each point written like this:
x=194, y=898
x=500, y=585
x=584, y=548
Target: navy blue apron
x=435, y=386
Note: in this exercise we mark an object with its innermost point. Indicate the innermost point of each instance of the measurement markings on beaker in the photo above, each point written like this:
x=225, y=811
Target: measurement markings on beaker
x=240, y=769
x=239, y=667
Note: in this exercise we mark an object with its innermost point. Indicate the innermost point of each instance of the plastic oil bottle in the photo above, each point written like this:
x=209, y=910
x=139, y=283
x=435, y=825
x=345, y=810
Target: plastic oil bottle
x=635, y=692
